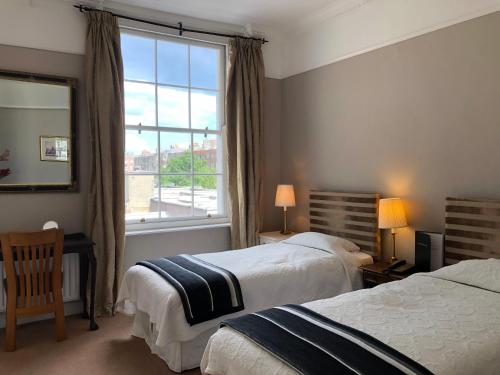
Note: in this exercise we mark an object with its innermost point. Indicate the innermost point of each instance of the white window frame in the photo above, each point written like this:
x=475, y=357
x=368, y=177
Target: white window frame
x=160, y=224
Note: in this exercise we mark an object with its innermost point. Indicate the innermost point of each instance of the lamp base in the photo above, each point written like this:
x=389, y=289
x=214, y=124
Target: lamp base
x=285, y=230
x=393, y=233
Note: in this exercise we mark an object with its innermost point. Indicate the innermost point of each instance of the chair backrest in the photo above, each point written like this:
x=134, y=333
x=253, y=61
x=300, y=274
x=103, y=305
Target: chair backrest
x=33, y=265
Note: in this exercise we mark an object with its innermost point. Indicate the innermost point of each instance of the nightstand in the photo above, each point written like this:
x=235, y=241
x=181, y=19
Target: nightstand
x=373, y=274
x=272, y=237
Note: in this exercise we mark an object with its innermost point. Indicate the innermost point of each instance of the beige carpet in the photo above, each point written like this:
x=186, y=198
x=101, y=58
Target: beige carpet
x=110, y=350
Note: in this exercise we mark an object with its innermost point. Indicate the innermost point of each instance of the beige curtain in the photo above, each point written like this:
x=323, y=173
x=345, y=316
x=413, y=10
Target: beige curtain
x=106, y=203
x=244, y=113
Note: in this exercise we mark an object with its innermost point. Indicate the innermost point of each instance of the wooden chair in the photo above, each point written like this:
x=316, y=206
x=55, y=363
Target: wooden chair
x=33, y=265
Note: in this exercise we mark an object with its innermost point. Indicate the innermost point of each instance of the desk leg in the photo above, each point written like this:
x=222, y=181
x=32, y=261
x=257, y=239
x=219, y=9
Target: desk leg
x=93, y=270
x=84, y=276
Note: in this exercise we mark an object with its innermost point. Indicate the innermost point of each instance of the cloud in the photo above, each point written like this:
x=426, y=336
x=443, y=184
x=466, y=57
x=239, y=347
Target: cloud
x=139, y=104
x=173, y=106
x=136, y=143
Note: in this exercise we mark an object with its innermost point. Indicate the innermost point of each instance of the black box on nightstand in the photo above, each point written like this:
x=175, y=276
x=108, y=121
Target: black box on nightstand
x=428, y=251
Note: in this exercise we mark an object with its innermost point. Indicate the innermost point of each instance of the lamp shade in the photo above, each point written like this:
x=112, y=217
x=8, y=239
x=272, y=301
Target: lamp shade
x=285, y=196
x=391, y=214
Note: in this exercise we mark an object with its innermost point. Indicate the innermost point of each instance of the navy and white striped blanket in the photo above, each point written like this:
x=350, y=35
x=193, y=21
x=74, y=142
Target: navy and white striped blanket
x=206, y=291
x=313, y=344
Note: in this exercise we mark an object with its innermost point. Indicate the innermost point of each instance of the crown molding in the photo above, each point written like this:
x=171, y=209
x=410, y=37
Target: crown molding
x=332, y=56
x=337, y=8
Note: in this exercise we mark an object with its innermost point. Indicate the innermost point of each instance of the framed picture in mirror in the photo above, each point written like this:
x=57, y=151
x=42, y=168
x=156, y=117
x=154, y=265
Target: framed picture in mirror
x=54, y=148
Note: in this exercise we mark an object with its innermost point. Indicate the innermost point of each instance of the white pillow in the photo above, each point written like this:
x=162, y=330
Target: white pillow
x=322, y=241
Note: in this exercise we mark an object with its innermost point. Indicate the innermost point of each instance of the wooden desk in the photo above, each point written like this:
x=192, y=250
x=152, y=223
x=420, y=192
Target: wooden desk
x=78, y=243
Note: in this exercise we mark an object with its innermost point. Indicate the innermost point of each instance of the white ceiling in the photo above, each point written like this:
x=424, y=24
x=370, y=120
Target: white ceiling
x=279, y=14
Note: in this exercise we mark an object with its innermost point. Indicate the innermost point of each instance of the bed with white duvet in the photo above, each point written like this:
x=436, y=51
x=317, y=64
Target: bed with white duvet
x=306, y=267
x=447, y=321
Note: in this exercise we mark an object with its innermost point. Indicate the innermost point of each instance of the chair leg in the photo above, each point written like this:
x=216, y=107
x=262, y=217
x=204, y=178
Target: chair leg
x=59, y=314
x=10, y=329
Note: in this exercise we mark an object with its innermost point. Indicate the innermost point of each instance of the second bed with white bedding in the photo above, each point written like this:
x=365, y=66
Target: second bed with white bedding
x=269, y=275
x=448, y=321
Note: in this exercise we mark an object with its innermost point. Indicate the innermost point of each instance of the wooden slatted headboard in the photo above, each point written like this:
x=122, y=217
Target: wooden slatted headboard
x=472, y=229
x=349, y=215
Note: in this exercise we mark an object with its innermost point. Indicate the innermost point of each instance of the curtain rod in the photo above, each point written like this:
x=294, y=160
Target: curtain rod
x=180, y=28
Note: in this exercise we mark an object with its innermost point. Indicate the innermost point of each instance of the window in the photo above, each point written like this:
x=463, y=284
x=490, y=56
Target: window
x=174, y=98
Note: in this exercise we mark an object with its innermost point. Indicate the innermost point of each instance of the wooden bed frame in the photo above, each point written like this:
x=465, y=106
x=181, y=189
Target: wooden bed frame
x=472, y=229
x=353, y=216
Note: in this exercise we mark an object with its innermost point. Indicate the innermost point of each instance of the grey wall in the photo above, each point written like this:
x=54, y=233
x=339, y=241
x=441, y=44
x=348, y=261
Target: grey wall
x=272, y=153
x=30, y=211
x=419, y=120
x=149, y=246
x=20, y=131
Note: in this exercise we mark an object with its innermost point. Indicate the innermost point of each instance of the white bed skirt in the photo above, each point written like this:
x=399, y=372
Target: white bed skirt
x=179, y=356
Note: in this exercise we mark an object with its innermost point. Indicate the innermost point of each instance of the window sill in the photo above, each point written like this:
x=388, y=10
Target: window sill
x=145, y=232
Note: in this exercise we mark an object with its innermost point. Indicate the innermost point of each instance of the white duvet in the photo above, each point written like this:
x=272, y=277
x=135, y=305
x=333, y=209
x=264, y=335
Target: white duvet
x=269, y=275
x=449, y=327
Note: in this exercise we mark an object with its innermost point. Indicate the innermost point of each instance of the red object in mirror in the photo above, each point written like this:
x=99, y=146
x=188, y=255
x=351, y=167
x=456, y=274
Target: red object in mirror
x=4, y=172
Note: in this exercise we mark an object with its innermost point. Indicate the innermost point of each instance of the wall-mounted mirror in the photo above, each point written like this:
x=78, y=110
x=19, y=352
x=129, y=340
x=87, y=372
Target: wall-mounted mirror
x=37, y=133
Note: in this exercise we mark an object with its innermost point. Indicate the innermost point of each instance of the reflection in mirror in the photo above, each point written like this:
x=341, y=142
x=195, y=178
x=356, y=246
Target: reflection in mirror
x=36, y=133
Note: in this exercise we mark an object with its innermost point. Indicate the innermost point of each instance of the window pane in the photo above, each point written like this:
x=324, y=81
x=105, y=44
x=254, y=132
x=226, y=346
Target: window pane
x=141, y=197
x=141, y=153
x=175, y=152
x=204, y=67
x=176, y=196
x=173, y=63
x=140, y=104
x=173, y=107
x=204, y=110
x=138, y=58
x=206, y=199
x=205, y=153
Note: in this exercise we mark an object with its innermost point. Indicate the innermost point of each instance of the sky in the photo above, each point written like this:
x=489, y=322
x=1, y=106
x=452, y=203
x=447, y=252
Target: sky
x=173, y=69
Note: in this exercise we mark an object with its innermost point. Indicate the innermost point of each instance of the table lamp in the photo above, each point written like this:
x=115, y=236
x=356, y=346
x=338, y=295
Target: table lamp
x=285, y=197
x=391, y=215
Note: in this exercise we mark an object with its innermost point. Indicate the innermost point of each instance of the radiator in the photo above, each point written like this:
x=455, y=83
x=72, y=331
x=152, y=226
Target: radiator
x=71, y=280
